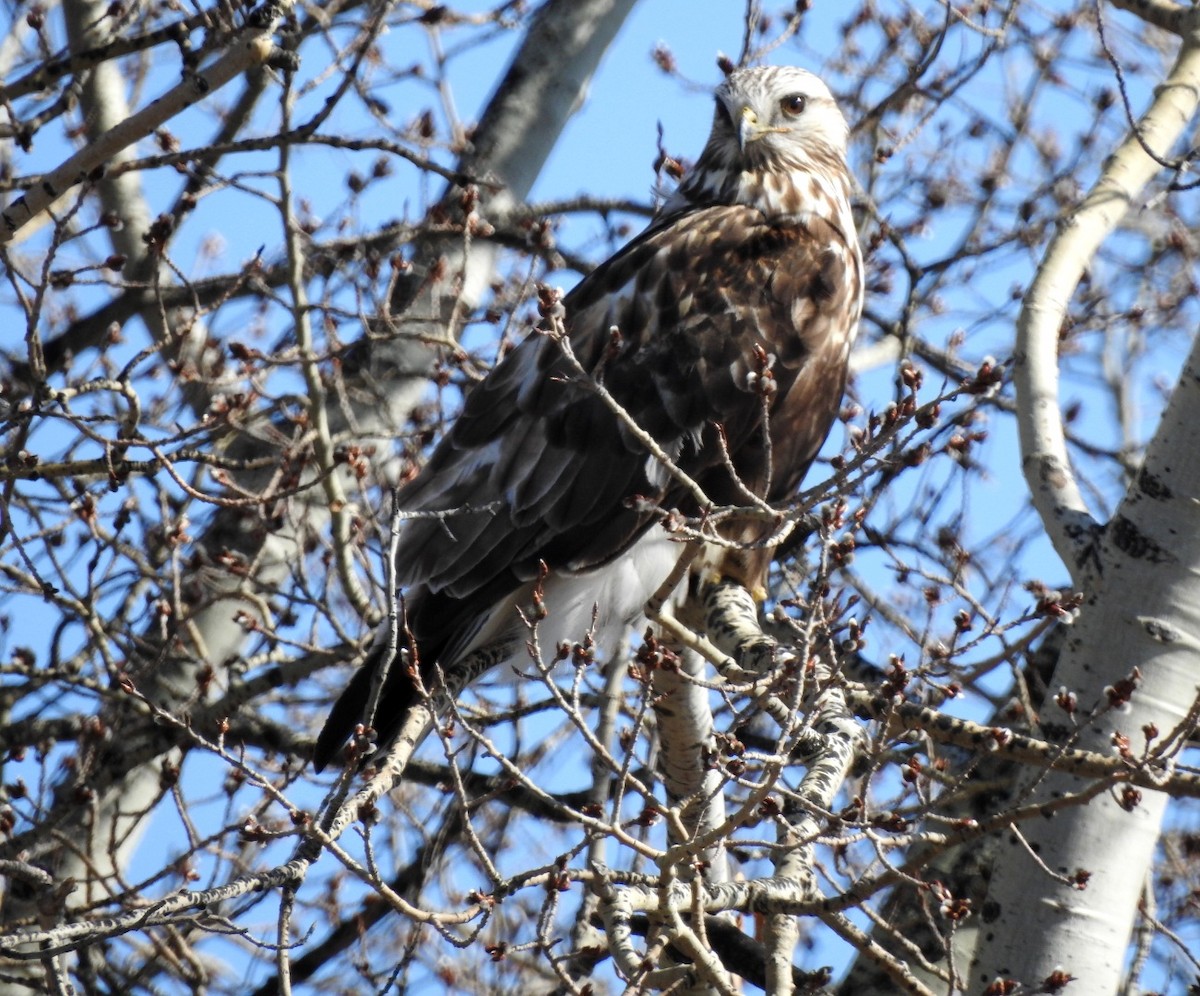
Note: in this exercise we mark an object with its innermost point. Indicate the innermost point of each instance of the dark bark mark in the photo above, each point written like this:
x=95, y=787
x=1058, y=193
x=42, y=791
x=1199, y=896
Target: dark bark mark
x=1151, y=486
x=1131, y=541
x=1161, y=631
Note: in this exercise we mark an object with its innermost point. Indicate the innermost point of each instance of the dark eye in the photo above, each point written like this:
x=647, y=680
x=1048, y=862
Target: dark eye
x=793, y=104
x=723, y=112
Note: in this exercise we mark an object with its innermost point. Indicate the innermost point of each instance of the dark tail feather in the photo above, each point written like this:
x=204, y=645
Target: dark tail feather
x=348, y=710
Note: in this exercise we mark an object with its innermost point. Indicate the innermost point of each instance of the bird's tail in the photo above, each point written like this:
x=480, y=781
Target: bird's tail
x=395, y=703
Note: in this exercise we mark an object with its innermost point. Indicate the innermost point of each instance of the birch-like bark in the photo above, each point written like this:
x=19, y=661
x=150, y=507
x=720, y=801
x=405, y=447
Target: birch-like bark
x=963, y=869
x=183, y=335
x=102, y=837
x=250, y=47
x=1142, y=611
x=966, y=870
x=693, y=786
x=1045, y=460
x=685, y=735
x=102, y=99
x=831, y=736
x=105, y=109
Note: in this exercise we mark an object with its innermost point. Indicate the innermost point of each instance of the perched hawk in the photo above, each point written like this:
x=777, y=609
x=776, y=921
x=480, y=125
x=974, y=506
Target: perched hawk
x=723, y=330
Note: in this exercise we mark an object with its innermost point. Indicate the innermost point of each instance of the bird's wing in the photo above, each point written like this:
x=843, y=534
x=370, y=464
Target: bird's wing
x=538, y=469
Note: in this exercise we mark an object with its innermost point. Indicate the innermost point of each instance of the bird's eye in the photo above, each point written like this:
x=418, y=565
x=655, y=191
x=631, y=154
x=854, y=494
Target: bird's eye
x=723, y=112
x=793, y=104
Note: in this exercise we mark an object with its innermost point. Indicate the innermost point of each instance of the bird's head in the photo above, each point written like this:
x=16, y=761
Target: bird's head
x=776, y=112
x=773, y=125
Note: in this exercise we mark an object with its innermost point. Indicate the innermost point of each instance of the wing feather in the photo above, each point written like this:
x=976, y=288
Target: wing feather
x=752, y=276
x=536, y=469
x=539, y=445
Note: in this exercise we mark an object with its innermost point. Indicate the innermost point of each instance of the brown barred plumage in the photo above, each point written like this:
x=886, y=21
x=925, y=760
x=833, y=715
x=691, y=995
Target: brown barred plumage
x=754, y=255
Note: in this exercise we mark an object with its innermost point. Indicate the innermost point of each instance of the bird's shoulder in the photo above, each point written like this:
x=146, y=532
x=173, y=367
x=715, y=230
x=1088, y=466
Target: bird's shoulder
x=696, y=291
x=672, y=326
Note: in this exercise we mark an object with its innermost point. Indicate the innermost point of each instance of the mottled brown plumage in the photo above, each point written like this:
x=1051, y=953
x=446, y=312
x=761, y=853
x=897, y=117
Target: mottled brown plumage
x=752, y=264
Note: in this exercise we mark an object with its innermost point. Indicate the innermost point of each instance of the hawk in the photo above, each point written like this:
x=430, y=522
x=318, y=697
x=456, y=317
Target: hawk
x=723, y=330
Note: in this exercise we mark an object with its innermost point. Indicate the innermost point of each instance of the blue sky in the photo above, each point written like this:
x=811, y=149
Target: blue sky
x=607, y=149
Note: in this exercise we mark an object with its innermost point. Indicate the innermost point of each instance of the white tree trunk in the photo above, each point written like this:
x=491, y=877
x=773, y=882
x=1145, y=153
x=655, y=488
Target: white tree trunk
x=1140, y=579
x=1143, y=609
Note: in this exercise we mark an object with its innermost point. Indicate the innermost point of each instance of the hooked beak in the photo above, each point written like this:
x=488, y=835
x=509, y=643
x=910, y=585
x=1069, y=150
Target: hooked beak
x=748, y=128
